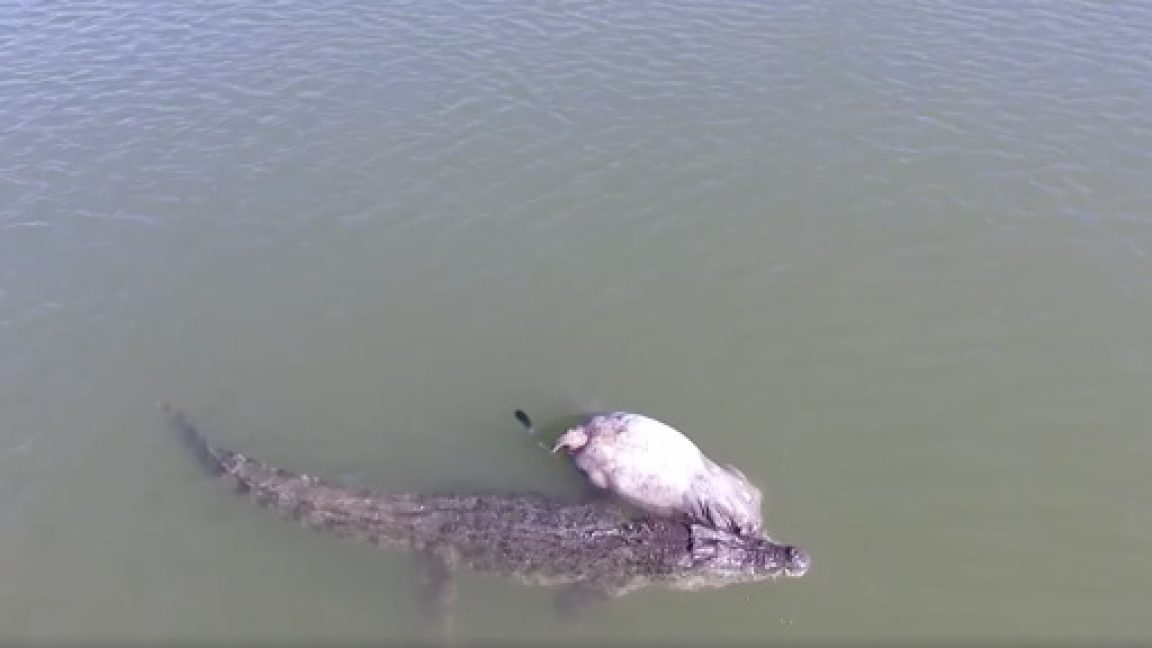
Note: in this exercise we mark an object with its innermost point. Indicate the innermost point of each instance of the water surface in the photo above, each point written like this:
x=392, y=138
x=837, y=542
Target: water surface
x=891, y=259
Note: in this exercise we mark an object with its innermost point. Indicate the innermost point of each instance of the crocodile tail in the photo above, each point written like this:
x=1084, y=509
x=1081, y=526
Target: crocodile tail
x=214, y=460
x=309, y=500
x=246, y=474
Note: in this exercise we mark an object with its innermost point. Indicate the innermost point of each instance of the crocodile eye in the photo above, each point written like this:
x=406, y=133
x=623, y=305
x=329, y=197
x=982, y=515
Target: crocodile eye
x=702, y=547
x=703, y=550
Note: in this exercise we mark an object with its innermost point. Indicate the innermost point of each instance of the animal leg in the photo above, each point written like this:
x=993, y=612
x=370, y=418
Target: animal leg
x=572, y=600
x=523, y=419
x=435, y=567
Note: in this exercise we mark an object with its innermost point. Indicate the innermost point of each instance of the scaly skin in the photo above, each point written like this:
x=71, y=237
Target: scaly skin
x=594, y=549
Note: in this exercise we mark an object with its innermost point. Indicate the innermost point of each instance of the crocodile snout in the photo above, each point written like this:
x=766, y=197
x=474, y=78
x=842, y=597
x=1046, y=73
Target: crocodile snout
x=796, y=561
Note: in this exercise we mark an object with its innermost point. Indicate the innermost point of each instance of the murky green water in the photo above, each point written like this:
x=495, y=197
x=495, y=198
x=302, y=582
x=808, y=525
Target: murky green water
x=892, y=259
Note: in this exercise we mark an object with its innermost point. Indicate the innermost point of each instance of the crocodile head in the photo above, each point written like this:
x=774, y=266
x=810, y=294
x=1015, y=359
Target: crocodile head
x=729, y=558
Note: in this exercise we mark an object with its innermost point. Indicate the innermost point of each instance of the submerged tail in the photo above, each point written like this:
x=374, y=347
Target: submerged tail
x=211, y=459
x=311, y=501
x=247, y=474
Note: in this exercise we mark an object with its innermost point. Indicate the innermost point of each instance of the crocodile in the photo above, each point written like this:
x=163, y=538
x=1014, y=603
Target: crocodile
x=588, y=551
x=656, y=468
